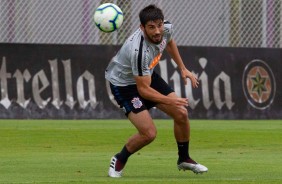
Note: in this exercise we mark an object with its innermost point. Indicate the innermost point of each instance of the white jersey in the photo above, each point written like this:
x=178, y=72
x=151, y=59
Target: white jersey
x=137, y=57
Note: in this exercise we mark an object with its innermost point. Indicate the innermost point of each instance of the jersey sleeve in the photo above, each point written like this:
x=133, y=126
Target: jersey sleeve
x=168, y=30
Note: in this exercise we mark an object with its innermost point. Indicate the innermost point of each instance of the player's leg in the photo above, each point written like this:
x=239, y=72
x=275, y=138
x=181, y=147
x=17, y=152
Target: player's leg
x=145, y=135
x=146, y=131
x=181, y=121
x=136, y=111
x=182, y=136
x=180, y=115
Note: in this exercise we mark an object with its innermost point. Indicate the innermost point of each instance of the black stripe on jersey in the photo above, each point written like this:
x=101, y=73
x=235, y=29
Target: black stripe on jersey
x=140, y=57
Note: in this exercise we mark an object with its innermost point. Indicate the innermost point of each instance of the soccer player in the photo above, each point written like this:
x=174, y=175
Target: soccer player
x=137, y=88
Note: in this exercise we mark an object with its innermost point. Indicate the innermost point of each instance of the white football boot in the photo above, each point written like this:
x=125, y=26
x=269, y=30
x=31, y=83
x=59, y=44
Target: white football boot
x=192, y=165
x=112, y=170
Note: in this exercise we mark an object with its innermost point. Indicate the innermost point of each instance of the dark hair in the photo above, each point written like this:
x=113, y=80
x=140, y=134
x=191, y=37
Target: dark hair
x=150, y=13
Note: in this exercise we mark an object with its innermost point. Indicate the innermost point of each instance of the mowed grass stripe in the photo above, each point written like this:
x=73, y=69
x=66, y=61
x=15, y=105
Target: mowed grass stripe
x=78, y=151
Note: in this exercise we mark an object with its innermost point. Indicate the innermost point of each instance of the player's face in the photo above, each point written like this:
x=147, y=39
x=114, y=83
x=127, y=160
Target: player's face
x=154, y=31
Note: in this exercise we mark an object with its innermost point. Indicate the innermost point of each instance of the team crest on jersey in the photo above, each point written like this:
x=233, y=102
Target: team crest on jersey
x=259, y=84
x=136, y=103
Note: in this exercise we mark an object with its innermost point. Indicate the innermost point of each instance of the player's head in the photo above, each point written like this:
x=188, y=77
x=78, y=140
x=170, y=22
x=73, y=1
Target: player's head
x=150, y=13
x=152, y=23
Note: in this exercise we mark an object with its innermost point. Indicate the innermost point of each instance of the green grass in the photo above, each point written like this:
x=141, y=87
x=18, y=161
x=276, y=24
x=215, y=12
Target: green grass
x=78, y=151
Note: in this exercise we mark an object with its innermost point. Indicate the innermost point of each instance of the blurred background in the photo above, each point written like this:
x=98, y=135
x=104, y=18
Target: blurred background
x=222, y=23
x=54, y=57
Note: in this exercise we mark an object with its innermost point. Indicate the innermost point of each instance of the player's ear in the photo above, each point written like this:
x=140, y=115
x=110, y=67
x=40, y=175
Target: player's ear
x=142, y=27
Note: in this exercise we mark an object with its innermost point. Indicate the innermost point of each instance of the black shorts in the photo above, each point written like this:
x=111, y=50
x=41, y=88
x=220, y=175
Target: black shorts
x=129, y=99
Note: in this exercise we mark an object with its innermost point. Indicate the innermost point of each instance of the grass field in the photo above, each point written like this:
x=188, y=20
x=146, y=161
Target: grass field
x=78, y=151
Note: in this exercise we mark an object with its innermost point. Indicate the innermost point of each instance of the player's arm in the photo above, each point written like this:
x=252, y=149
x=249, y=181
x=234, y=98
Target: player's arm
x=144, y=89
x=172, y=49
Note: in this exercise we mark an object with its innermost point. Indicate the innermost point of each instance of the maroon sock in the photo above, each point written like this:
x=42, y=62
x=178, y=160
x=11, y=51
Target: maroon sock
x=119, y=165
x=123, y=157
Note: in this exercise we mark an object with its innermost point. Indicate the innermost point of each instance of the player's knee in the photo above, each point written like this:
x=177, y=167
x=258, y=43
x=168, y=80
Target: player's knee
x=181, y=115
x=150, y=136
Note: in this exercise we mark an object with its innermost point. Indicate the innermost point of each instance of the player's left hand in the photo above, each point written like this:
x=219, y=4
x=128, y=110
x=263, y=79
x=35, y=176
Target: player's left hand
x=185, y=73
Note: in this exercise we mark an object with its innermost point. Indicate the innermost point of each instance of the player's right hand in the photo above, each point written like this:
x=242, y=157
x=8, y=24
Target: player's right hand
x=180, y=102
